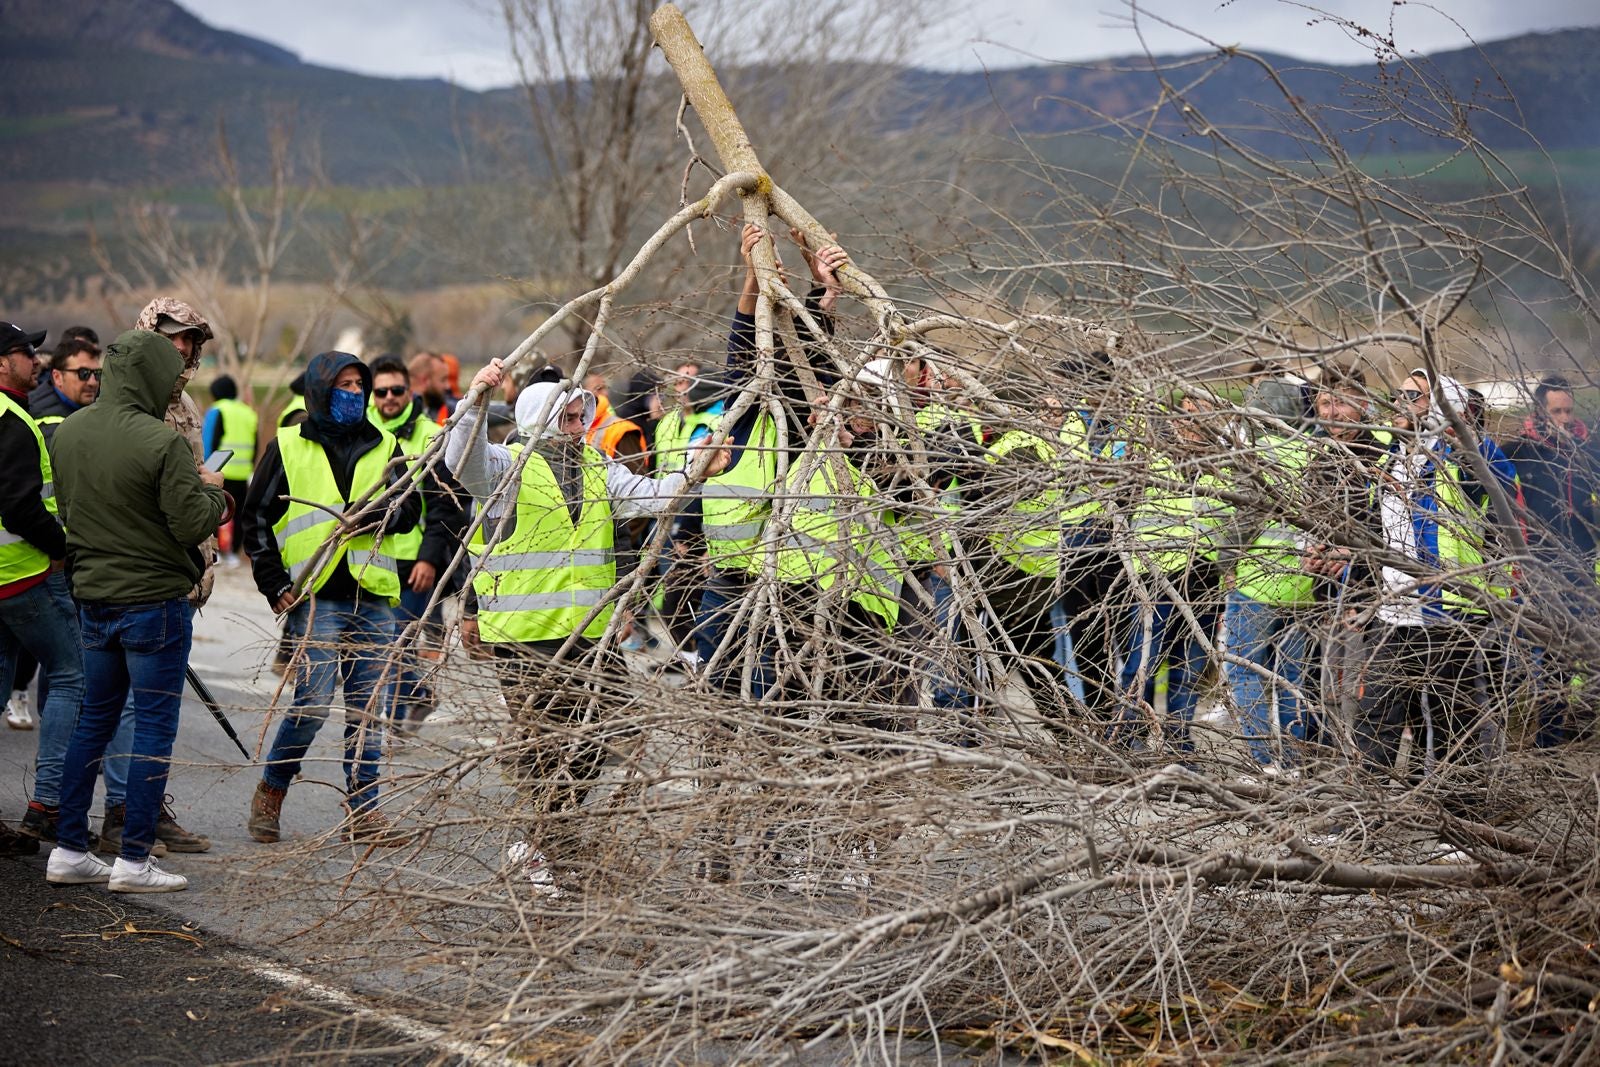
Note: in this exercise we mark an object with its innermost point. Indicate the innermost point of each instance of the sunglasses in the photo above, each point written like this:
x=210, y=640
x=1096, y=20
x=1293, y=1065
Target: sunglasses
x=1410, y=396
x=25, y=350
x=391, y=390
x=86, y=373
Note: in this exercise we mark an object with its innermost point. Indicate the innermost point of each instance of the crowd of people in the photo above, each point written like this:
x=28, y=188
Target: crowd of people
x=890, y=535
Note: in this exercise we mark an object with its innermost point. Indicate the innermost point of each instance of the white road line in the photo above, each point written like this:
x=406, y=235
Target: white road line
x=462, y=1051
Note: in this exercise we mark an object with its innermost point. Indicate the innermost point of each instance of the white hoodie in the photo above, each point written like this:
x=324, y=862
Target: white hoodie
x=479, y=466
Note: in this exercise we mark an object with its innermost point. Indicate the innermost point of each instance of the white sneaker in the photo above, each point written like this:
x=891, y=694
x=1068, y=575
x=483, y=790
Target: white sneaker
x=798, y=876
x=1449, y=855
x=146, y=877
x=857, y=869
x=75, y=868
x=18, y=715
x=690, y=660
x=535, y=867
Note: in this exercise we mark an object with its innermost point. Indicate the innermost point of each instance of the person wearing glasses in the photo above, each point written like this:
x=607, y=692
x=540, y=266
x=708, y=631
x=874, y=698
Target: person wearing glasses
x=423, y=554
x=37, y=615
x=73, y=382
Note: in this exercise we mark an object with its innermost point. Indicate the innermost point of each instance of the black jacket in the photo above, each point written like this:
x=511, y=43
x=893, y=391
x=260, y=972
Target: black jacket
x=22, y=510
x=267, y=499
x=1559, y=484
x=45, y=403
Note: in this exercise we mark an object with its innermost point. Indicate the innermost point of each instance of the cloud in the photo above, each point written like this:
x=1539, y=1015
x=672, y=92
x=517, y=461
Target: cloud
x=1019, y=32
x=465, y=42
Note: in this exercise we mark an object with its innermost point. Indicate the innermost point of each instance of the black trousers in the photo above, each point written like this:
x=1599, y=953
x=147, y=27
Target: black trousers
x=1442, y=660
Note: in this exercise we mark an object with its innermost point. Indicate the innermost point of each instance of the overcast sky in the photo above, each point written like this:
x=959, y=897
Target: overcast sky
x=462, y=40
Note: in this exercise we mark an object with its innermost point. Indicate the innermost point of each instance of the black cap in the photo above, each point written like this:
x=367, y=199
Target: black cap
x=13, y=337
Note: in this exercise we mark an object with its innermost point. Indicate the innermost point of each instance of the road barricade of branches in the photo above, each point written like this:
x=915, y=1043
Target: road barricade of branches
x=980, y=768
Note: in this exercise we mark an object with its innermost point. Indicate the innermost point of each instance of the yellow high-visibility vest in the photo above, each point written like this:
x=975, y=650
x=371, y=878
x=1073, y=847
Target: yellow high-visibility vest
x=545, y=576
x=735, y=504
x=239, y=425
x=303, y=528
x=19, y=559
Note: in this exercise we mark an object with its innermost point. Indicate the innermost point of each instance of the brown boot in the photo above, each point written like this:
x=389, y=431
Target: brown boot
x=111, y=833
x=265, y=807
x=176, y=838
x=371, y=827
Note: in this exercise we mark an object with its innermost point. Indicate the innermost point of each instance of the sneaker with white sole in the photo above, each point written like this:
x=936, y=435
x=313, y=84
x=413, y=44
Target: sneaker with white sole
x=857, y=866
x=18, y=715
x=535, y=867
x=66, y=867
x=146, y=877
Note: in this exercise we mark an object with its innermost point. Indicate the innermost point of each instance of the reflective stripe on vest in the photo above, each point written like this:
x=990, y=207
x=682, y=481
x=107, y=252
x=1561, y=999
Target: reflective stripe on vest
x=239, y=424
x=407, y=546
x=1175, y=525
x=1270, y=571
x=822, y=549
x=548, y=572
x=19, y=559
x=303, y=528
x=1030, y=536
x=734, y=505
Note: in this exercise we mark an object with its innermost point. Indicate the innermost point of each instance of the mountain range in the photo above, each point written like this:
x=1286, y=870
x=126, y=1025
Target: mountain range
x=129, y=93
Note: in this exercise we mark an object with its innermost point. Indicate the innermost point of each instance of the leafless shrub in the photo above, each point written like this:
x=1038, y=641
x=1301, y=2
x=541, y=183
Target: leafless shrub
x=822, y=858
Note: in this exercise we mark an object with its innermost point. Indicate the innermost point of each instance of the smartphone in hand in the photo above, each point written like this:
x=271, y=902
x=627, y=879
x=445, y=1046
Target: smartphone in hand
x=218, y=459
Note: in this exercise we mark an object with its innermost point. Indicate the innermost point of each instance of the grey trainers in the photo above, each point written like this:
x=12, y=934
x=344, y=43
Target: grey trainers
x=85, y=869
x=144, y=877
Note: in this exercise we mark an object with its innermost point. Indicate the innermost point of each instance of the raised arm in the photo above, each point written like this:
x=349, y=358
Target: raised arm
x=478, y=465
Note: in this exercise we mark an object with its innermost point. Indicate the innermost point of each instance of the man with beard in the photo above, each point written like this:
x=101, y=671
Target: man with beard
x=37, y=615
x=428, y=372
x=1560, y=475
x=424, y=553
x=342, y=613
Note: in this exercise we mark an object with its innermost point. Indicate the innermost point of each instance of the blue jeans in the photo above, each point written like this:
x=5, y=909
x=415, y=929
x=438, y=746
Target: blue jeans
x=44, y=621
x=1066, y=656
x=720, y=600
x=118, y=757
x=948, y=690
x=145, y=648
x=119, y=752
x=1270, y=638
x=408, y=686
x=1172, y=642
x=348, y=641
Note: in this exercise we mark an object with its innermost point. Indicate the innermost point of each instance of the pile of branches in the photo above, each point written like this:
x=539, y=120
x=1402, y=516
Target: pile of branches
x=839, y=863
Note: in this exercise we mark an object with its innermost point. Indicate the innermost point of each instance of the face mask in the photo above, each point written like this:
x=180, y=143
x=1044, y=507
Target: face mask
x=346, y=408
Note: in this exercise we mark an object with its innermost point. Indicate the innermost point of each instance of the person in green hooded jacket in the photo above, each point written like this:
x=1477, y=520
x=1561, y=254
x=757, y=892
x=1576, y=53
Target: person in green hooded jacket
x=136, y=508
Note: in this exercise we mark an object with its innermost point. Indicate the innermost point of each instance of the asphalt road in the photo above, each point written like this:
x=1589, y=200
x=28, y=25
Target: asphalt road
x=92, y=977
x=75, y=996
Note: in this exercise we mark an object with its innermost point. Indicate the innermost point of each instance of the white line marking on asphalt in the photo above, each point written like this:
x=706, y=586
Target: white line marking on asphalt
x=463, y=1051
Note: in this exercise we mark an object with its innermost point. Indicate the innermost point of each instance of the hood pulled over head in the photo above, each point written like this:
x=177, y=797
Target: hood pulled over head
x=320, y=374
x=549, y=398
x=142, y=369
